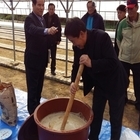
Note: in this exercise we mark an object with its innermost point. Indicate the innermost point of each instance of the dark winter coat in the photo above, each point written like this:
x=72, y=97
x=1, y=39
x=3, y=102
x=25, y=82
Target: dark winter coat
x=53, y=39
x=106, y=73
x=98, y=22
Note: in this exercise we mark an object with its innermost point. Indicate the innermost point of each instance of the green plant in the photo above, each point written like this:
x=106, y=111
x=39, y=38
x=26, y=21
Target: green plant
x=2, y=16
x=8, y=17
x=108, y=23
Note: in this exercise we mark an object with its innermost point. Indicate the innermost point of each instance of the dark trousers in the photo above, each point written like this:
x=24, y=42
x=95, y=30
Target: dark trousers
x=116, y=107
x=53, y=49
x=135, y=68
x=35, y=70
x=34, y=79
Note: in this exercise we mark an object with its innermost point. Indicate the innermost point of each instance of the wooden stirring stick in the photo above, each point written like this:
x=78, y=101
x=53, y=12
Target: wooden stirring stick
x=70, y=103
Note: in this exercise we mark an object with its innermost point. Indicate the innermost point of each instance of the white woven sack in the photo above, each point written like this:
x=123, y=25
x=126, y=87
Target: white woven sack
x=8, y=104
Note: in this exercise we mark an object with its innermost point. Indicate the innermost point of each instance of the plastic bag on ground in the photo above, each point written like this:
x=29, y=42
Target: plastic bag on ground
x=128, y=134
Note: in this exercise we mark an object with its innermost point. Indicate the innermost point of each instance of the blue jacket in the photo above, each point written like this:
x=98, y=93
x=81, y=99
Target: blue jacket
x=98, y=22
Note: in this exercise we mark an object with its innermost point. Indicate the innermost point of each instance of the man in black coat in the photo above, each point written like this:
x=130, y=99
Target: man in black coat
x=102, y=70
x=36, y=53
x=52, y=19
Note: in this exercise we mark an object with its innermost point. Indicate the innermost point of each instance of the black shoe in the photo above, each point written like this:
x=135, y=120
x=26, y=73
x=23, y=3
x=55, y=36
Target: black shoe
x=131, y=102
x=137, y=106
x=53, y=73
x=126, y=99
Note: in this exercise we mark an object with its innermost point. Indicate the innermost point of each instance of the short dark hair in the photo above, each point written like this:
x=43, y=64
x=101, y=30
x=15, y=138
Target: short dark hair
x=121, y=8
x=74, y=26
x=34, y=2
x=51, y=4
x=93, y=3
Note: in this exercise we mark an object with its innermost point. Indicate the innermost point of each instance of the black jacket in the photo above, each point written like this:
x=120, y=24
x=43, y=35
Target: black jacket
x=106, y=73
x=36, y=52
x=53, y=39
x=98, y=22
x=115, y=42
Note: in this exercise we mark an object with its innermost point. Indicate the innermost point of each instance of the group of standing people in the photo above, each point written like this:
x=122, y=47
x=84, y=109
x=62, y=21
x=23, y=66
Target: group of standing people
x=92, y=48
x=128, y=34
x=127, y=47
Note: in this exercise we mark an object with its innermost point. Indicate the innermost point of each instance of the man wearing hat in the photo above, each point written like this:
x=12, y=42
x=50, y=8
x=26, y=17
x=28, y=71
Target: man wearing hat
x=128, y=40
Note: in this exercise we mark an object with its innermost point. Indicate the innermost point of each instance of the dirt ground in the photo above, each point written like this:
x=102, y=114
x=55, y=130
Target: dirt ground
x=54, y=89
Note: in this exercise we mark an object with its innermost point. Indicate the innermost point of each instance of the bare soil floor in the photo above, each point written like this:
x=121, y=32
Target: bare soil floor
x=54, y=89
